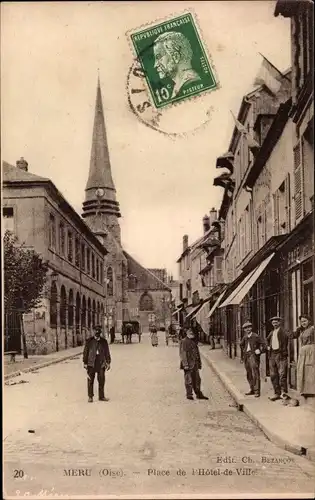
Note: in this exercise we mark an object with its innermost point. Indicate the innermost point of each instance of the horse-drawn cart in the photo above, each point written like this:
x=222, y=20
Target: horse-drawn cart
x=130, y=328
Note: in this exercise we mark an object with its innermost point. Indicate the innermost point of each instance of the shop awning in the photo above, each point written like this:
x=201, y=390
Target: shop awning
x=236, y=297
x=217, y=302
x=197, y=313
x=177, y=310
x=194, y=310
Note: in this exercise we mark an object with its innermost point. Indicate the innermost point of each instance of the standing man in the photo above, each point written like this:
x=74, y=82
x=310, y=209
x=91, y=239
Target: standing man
x=277, y=341
x=190, y=362
x=96, y=359
x=252, y=346
x=112, y=334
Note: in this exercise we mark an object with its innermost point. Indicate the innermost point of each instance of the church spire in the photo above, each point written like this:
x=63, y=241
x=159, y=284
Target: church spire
x=100, y=208
x=100, y=175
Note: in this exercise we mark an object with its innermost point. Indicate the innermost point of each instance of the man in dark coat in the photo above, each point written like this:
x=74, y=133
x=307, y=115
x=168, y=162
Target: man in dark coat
x=112, y=334
x=252, y=346
x=277, y=341
x=190, y=362
x=96, y=359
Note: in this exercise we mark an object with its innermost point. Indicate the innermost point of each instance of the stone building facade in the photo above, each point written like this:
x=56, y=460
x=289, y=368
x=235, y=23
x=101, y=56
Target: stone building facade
x=299, y=268
x=200, y=276
x=37, y=213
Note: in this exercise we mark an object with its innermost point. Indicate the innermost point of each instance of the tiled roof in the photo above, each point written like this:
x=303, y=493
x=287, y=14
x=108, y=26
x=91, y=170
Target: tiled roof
x=146, y=279
x=11, y=173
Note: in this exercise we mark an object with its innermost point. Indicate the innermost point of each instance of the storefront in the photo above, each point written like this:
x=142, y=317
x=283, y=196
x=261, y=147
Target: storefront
x=299, y=277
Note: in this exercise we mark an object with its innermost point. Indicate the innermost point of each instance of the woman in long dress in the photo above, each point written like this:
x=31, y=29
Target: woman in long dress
x=154, y=336
x=306, y=361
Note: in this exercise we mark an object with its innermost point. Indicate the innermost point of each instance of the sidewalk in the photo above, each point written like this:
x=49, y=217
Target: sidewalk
x=34, y=362
x=291, y=428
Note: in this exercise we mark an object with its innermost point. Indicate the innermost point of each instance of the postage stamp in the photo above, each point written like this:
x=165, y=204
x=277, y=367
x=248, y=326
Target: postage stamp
x=174, y=60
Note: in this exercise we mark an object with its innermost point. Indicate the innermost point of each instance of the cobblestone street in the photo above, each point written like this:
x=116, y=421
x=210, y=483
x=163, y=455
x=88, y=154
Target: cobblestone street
x=147, y=428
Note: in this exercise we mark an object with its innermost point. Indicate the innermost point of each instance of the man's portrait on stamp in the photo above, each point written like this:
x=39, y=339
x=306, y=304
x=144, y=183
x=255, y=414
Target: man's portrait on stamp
x=174, y=60
x=158, y=260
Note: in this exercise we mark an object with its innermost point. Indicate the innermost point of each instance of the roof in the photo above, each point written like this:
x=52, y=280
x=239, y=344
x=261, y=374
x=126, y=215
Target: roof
x=245, y=104
x=10, y=173
x=196, y=243
x=148, y=280
x=271, y=139
x=14, y=176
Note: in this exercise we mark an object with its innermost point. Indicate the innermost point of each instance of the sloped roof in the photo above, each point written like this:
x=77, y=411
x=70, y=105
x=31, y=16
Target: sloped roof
x=147, y=279
x=11, y=173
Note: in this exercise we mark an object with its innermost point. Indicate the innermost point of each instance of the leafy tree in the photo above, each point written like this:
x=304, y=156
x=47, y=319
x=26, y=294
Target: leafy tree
x=24, y=278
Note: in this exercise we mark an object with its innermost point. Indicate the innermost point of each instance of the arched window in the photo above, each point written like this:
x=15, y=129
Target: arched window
x=110, y=283
x=83, y=312
x=77, y=309
x=89, y=313
x=93, y=313
x=124, y=278
x=146, y=302
x=63, y=306
x=53, y=305
x=70, y=308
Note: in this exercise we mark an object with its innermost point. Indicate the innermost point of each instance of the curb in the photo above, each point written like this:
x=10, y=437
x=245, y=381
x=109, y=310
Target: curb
x=294, y=448
x=42, y=365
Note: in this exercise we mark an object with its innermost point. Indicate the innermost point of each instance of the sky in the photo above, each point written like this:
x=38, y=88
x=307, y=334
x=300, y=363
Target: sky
x=51, y=54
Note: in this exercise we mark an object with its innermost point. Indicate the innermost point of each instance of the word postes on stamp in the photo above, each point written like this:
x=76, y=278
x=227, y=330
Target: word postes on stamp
x=173, y=60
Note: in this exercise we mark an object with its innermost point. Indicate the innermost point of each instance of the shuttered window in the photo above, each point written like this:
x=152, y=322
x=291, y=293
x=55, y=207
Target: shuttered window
x=298, y=182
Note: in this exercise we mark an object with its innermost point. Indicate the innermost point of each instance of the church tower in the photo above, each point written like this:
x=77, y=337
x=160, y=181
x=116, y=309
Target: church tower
x=100, y=208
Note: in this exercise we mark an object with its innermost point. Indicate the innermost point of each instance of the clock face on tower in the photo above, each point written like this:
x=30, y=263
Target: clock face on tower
x=99, y=193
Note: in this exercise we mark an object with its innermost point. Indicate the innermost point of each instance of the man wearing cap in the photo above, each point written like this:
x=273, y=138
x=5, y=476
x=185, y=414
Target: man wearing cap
x=96, y=359
x=277, y=341
x=252, y=346
x=190, y=362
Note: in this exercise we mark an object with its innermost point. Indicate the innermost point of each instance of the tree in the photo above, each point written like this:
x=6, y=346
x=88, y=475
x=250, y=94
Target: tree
x=24, y=279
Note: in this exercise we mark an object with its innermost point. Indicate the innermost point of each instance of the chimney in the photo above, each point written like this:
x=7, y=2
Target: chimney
x=213, y=215
x=22, y=164
x=185, y=242
x=206, y=223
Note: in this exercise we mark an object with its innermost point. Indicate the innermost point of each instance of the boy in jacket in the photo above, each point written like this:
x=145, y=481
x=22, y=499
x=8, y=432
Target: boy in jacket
x=252, y=346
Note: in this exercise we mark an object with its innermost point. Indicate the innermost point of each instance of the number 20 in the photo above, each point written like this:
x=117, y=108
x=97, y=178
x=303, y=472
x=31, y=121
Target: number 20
x=163, y=95
x=18, y=473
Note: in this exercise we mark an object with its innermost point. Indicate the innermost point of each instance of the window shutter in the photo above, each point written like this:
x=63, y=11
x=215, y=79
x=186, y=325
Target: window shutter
x=218, y=269
x=287, y=203
x=264, y=220
x=298, y=182
x=276, y=213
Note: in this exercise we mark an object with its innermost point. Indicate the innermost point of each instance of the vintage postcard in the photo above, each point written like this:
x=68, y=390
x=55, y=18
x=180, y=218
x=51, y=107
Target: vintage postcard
x=158, y=249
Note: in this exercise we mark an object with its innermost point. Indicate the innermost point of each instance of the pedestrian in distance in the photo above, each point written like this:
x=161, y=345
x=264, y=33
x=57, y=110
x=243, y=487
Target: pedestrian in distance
x=96, y=359
x=211, y=338
x=252, y=346
x=190, y=362
x=277, y=342
x=112, y=334
x=154, y=336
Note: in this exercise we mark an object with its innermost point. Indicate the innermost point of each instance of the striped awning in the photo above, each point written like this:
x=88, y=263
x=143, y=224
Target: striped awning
x=193, y=311
x=236, y=297
x=217, y=302
x=198, y=313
